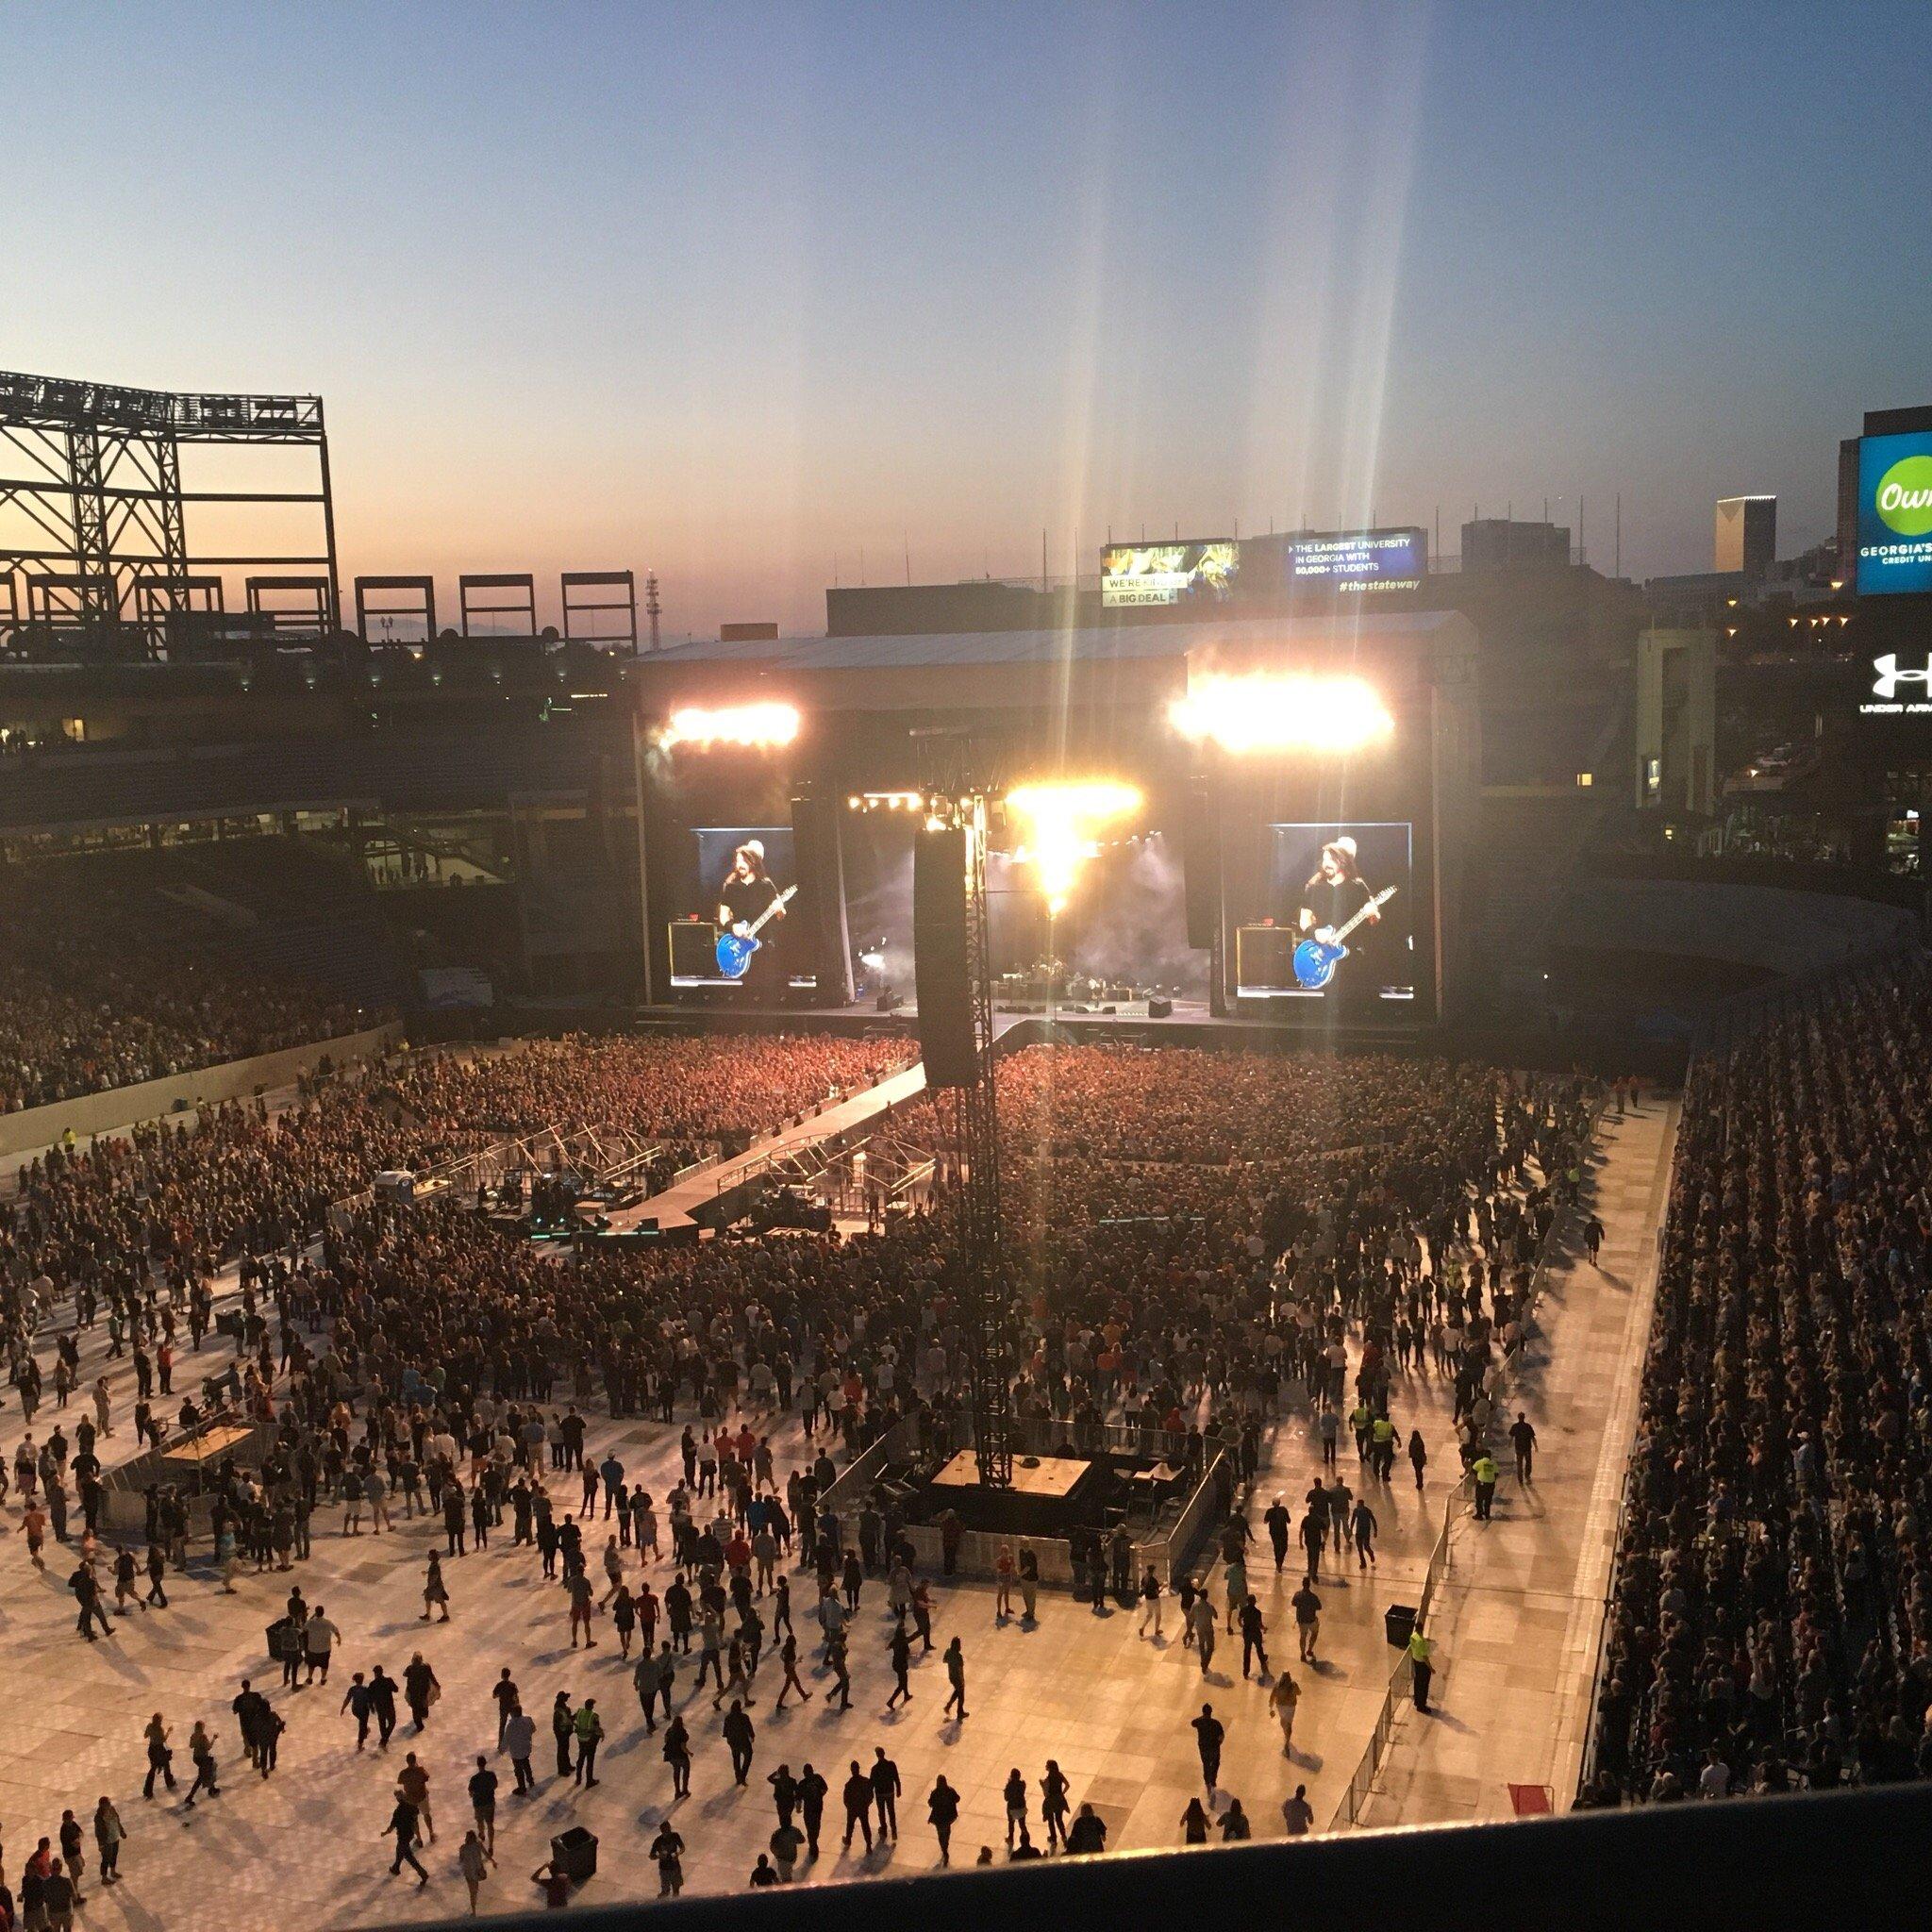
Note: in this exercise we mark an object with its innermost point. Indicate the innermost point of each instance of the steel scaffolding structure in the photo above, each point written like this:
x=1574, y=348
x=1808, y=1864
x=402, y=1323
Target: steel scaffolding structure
x=975, y=1148
x=96, y=522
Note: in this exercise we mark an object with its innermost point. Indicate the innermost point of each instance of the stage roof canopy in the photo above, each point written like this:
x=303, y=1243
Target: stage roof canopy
x=1098, y=643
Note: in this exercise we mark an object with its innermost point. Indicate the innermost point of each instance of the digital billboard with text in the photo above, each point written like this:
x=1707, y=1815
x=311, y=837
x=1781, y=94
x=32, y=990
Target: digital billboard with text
x=1359, y=559
x=1190, y=572
x=1895, y=513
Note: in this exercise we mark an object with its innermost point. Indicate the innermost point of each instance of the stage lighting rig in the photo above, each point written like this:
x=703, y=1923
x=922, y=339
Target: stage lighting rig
x=1275, y=712
x=759, y=726
x=1061, y=820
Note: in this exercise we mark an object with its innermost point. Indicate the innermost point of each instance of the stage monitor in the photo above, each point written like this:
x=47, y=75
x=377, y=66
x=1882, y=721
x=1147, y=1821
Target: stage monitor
x=1194, y=571
x=743, y=875
x=1333, y=918
x=1895, y=514
x=1359, y=560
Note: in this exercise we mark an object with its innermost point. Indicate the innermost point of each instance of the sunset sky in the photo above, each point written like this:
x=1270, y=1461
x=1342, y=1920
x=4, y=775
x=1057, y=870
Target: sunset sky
x=748, y=294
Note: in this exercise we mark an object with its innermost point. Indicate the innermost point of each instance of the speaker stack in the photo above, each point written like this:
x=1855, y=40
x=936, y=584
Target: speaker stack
x=941, y=969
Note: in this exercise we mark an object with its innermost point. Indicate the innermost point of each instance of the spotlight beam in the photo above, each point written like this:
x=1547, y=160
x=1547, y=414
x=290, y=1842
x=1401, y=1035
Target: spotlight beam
x=1062, y=821
x=756, y=726
x=1272, y=711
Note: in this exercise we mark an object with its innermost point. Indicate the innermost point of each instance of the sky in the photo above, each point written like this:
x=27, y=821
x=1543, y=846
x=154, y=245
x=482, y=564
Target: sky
x=765, y=298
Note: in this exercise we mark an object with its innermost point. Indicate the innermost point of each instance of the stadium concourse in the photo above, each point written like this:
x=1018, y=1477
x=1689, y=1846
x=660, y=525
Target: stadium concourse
x=1219, y=1235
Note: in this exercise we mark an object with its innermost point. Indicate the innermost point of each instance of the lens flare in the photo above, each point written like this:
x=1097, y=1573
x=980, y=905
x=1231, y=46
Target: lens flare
x=1276, y=711
x=756, y=725
x=1062, y=821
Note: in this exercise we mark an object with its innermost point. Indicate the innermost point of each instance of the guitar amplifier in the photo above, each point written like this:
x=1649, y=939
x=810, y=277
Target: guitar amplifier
x=693, y=948
x=1264, y=957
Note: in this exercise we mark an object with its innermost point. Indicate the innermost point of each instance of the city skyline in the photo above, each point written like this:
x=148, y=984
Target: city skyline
x=764, y=299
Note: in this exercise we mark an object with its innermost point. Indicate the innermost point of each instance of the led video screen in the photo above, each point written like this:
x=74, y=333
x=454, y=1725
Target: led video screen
x=1331, y=916
x=1187, y=572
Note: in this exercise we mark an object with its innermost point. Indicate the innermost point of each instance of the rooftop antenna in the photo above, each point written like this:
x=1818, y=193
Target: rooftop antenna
x=652, y=607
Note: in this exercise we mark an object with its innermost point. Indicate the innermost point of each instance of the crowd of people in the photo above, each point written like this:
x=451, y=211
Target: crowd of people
x=1772, y=1622
x=105, y=986
x=1201, y=1239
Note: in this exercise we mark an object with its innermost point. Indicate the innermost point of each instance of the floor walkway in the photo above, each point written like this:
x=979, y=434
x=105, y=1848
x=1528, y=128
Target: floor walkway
x=1516, y=1623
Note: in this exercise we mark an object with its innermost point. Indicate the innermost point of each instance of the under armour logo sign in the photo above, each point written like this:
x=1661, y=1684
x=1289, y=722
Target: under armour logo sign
x=1889, y=677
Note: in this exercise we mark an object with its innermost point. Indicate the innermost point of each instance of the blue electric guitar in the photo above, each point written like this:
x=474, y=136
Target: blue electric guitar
x=1323, y=951
x=735, y=948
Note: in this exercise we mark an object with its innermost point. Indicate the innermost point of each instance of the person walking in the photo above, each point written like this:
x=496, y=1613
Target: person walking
x=1194, y=1823
x=405, y=1827
x=1208, y=1735
x=738, y=1734
x=520, y=1742
x=1201, y=1618
x=1307, y=1621
x=420, y=1689
x=435, y=1592
x=943, y=1808
x=787, y=1659
x=1053, y=1804
x=956, y=1676
x=676, y=1749
x=473, y=1861
x=1254, y=1649
x=483, y=1803
x=812, y=1790
x=1297, y=1814
x=886, y=1788
x=857, y=1796
x=414, y=1779
x=667, y=1853
x=1594, y=1235
x=1150, y=1602
x=1283, y=1696
x=1522, y=1439
x=201, y=1748
x=899, y=1652
x=1418, y=1457
x=1280, y=1525
x=1362, y=1522
x=160, y=1760
x=1485, y=1473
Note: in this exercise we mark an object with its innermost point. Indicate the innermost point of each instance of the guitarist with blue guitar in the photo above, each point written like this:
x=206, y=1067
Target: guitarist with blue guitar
x=748, y=905
x=1335, y=901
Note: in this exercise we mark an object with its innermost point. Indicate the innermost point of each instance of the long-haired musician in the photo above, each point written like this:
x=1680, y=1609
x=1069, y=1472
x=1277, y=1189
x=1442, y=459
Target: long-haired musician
x=747, y=893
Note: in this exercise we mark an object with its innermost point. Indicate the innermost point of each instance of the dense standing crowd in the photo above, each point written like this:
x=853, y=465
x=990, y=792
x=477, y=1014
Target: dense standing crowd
x=1202, y=1238
x=1772, y=1625
x=103, y=988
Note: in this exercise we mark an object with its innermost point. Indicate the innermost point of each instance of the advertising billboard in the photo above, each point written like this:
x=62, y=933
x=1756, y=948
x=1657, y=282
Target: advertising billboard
x=1895, y=514
x=1190, y=572
x=1359, y=559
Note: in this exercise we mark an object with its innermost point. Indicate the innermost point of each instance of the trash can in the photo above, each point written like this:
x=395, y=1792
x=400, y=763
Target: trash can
x=575, y=1853
x=1398, y=1623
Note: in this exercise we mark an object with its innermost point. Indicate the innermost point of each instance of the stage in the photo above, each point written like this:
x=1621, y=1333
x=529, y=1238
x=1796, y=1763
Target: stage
x=1047, y=1496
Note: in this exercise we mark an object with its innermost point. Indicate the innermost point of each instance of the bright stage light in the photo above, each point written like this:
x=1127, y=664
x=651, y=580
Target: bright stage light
x=758, y=725
x=1062, y=819
x=1274, y=711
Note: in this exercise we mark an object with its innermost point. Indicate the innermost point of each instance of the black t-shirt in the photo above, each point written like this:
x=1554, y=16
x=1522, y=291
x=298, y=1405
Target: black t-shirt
x=1334, y=903
x=747, y=898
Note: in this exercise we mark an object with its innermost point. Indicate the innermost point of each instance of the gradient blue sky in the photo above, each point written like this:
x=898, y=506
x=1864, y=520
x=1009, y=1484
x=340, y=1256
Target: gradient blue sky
x=740, y=292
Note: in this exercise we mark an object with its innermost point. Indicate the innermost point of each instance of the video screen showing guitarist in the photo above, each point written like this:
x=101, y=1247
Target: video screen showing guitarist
x=749, y=897
x=1346, y=888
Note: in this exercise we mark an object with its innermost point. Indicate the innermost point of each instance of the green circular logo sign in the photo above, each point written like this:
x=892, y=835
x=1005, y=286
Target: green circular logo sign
x=1904, y=501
